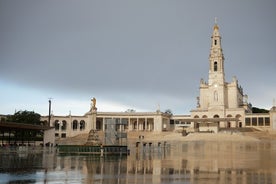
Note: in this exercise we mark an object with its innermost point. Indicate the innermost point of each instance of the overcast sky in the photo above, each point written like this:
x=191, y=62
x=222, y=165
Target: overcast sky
x=130, y=54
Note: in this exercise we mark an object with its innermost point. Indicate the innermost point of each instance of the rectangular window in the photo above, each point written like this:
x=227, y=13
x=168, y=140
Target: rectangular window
x=267, y=121
x=215, y=42
x=261, y=121
x=247, y=121
x=56, y=135
x=254, y=121
x=63, y=135
x=117, y=120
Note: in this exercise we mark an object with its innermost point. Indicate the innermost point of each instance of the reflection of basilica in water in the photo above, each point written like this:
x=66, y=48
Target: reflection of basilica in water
x=190, y=162
x=200, y=162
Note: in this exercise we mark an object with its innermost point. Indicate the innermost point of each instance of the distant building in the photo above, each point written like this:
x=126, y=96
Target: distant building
x=220, y=104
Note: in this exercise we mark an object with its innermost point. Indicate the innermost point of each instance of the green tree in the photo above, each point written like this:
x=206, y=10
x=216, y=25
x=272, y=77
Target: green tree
x=28, y=117
x=130, y=110
x=169, y=112
x=258, y=110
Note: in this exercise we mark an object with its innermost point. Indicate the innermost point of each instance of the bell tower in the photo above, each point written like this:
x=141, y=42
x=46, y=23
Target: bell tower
x=216, y=59
x=217, y=98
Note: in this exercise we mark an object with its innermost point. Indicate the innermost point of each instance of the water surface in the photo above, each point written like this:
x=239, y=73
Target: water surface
x=178, y=162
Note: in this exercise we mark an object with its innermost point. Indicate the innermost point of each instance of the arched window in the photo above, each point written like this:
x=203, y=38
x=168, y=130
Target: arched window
x=215, y=42
x=239, y=117
x=215, y=66
x=75, y=125
x=196, y=123
x=56, y=125
x=216, y=116
x=82, y=125
x=64, y=125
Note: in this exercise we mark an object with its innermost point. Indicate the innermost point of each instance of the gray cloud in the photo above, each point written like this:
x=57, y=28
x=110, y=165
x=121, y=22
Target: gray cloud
x=133, y=50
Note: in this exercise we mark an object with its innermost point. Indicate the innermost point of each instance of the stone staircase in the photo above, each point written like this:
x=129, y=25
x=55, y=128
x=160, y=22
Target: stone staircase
x=76, y=140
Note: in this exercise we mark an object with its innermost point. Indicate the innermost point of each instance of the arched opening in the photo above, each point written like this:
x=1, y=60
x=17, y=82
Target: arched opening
x=56, y=124
x=64, y=125
x=196, y=123
x=204, y=116
x=216, y=116
x=215, y=66
x=239, y=123
x=82, y=125
x=75, y=125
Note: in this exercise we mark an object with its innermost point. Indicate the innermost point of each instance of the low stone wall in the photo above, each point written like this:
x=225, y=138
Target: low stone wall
x=208, y=127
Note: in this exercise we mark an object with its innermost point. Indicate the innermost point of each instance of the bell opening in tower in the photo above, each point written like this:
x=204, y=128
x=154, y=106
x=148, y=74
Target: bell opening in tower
x=215, y=66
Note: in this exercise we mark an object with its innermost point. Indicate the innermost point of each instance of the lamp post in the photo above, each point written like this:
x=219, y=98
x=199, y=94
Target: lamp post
x=49, y=117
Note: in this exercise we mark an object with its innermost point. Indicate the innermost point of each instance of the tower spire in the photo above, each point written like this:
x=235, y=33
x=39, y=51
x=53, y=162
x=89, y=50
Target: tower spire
x=216, y=58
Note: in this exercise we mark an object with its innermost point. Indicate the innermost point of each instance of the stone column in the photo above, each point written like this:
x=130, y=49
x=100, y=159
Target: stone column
x=137, y=124
x=103, y=125
x=129, y=125
x=146, y=124
x=272, y=114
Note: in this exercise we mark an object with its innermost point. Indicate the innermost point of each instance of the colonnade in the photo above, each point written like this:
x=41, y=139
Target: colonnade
x=128, y=124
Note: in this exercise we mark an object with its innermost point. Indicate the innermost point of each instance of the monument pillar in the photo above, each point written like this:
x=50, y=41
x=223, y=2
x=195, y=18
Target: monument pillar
x=93, y=111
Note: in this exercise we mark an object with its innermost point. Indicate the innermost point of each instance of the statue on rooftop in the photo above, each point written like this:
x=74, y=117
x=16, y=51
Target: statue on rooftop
x=93, y=104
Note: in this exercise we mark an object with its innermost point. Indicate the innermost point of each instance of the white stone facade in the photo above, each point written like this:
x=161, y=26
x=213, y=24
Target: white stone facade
x=217, y=98
x=70, y=126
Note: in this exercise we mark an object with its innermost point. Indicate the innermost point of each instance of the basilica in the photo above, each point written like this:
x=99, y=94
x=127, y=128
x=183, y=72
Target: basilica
x=220, y=105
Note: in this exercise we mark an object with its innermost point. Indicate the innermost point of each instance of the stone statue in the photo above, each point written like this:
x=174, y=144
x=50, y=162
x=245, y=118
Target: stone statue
x=198, y=103
x=93, y=100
